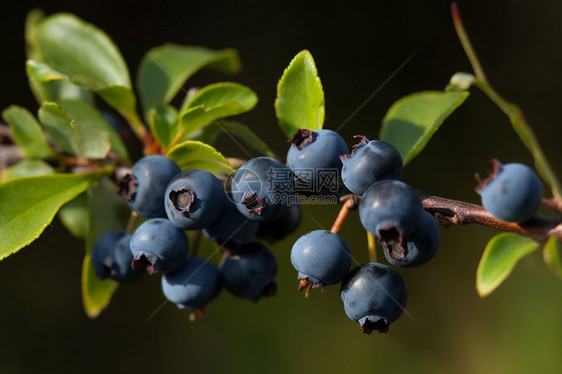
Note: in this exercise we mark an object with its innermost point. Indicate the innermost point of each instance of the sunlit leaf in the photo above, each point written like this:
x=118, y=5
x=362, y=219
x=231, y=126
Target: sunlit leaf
x=107, y=212
x=300, y=98
x=500, y=256
x=165, y=69
x=411, y=121
x=29, y=204
x=193, y=154
x=27, y=132
x=551, y=256
x=164, y=122
x=26, y=168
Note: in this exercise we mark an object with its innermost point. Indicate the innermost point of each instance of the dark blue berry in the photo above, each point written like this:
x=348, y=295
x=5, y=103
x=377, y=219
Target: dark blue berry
x=143, y=189
x=159, y=246
x=370, y=162
x=194, y=285
x=231, y=227
x=321, y=258
x=193, y=199
x=312, y=151
x=249, y=272
x=391, y=210
x=282, y=226
x=111, y=257
x=374, y=295
x=512, y=192
x=262, y=188
x=420, y=246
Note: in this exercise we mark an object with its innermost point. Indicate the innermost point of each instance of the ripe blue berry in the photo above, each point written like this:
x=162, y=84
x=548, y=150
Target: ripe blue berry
x=159, y=246
x=193, y=199
x=512, y=192
x=262, y=188
x=282, y=226
x=194, y=285
x=321, y=258
x=231, y=227
x=314, y=150
x=374, y=295
x=391, y=210
x=143, y=189
x=111, y=257
x=370, y=162
x=249, y=272
x=420, y=246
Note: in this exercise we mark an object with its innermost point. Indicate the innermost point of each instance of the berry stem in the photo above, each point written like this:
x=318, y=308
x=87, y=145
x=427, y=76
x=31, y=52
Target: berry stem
x=371, y=244
x=347, y=206
x=512, y=111
x=132, y=222
x=456, y=212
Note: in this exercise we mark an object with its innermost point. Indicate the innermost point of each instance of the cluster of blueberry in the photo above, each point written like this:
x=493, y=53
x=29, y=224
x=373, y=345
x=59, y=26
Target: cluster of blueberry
x=194, y=199
x=258, y=204
x=373, y=294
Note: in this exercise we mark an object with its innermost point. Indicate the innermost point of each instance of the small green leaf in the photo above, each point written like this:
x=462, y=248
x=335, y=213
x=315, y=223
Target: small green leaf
x=210, y=133
x=73, y=137
x=500, y=256
x=87, y=116
x=193, y=154
x=164, y=122
x=32, y=20
x=213, y=102
x=551, y=256
x=165, y=69
x=27, y=132
x=79, y=52
x=107, y=212
x=26, y=168
x=411, y=121
x=300, y=98
x=74, y=215
x=29, y=204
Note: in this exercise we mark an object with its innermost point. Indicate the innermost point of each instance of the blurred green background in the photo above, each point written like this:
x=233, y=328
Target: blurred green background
x=356, y=45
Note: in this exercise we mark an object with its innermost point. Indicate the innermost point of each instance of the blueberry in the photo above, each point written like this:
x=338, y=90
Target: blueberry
x=262, y=188
x=143, y=189
x=159, y=246
x=370, y=162
x=391, y=210
x=249, y=272
x=321, y=258
x=231, y=227
x=312, y=151
x=374, y=295
x=111, y=257
x=194, y=285
x=193, y=199
x=512, y=192
x=282, y=226
x=420, y=246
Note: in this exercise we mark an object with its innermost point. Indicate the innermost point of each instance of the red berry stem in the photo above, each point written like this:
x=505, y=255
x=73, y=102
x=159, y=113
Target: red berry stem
x=347, y=206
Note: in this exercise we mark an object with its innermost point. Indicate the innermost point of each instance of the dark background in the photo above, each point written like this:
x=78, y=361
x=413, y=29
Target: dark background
x=356, y=46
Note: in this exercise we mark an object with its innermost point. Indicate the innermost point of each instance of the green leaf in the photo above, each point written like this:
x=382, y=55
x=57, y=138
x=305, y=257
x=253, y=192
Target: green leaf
x=27, y=132
x=164, y=122
x=193, y=154
x=72, y=137
x=300, y=98
x=500, y=256
x=74, y=215
x=87, y=116
x=29, y=204
x=234, y=129
x=165, y=69
x=107, y=212
x=26, y=168
x=79, y=52
x=213, y=102
x=551, y=256
x=32, y=20
x=411, y=121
